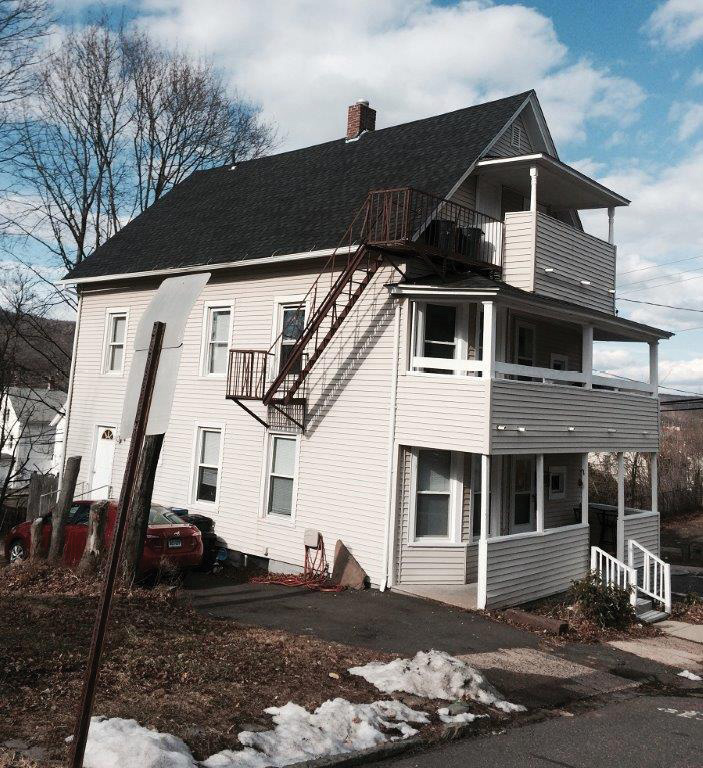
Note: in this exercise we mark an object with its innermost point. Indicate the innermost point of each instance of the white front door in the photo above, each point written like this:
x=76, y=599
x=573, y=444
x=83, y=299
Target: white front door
x=522, y=516
x=101, y=475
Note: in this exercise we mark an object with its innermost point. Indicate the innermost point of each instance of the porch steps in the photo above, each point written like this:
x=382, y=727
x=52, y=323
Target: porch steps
x=647, y=613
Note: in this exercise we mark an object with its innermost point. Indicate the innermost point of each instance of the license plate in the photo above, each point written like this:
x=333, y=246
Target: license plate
x=174, y=543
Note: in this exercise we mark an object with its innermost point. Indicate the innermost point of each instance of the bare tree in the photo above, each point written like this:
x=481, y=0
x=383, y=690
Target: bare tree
x=113, y=123
x=23, y=24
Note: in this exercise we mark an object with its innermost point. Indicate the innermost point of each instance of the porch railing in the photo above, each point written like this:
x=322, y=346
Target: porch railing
x=529, y=373
x=614, y=572
x=654, y=578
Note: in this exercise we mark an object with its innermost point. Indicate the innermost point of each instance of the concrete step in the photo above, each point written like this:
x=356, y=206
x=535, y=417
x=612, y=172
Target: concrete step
x=652, y=616
x=643, y=604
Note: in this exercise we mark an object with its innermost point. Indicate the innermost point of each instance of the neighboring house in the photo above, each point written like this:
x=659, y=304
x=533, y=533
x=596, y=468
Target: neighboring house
x=425, y=392
x=32, y=426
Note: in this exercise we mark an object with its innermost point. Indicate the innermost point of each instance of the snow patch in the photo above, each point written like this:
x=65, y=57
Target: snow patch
x=690, y=675
x=434, y=675
x=462, y=717
x=117, y=743
x=334, y=728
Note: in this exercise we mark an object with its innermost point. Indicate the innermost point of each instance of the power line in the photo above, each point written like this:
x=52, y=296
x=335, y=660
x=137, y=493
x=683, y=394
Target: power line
x=654, y=266
x=662, y=285
x=627, y=286
x=661, y=386
x=654, y=304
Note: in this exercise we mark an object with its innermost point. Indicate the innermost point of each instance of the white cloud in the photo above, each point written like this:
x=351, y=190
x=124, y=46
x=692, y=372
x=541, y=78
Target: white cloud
x=689, y=117
x=677, y=24
x=305, y=61
x=696, y=78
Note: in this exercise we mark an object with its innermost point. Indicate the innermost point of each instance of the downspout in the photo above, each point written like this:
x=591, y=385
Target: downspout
x=392, y=459
x=69, y=395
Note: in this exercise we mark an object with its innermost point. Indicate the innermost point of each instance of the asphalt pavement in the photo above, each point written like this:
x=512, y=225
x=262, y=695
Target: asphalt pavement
x=642, y=732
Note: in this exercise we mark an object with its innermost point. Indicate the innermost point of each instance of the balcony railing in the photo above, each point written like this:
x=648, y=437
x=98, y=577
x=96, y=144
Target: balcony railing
x=408, y=219
x=250, y=373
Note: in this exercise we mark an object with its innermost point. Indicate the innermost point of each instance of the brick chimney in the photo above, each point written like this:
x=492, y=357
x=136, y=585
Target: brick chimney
x=360, y=118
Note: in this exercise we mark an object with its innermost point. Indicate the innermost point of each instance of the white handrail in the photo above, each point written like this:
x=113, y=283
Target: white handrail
x=614, y=572
x=656, y=574
x=447, y=364
x=546, y=374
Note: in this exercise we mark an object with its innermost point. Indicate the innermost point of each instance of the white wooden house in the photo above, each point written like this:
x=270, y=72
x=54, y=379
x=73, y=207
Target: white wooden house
x=394, y=348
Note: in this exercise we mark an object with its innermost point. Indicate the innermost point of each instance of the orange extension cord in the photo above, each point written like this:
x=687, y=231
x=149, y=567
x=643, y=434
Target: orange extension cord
x=315, y=574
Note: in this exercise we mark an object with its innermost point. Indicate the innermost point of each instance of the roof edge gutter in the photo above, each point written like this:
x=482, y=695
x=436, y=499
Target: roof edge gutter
x=200, y=267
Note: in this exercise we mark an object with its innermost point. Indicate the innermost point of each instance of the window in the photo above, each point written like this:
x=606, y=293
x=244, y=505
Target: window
x=525, y=344
x=207, y=465
x=116, y=333
x=433, y=495
x=291, y=325
x=281, y=476
x=217, y=334
x=476, y=496
x=440, y=332
x=557, y=483
x=559, y=362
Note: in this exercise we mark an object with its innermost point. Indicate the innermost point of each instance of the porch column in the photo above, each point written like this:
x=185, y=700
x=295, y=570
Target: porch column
x=620, y=554
x=539, y=490
x=654, y=480
x=611, y=226
x=489, y=338
x=533, y=189
x=654, y=367
x=587, y=355
x=481, y=586
x=584, y=489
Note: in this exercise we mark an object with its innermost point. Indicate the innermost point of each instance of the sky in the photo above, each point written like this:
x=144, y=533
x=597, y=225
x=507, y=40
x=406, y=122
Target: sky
x=620, y=81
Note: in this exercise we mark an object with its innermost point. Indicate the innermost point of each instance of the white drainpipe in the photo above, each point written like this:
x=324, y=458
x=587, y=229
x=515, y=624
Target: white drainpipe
x=392, y=458
x=69, y=394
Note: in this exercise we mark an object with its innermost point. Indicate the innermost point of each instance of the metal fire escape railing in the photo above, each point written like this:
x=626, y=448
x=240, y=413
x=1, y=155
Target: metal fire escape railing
x=390, y=222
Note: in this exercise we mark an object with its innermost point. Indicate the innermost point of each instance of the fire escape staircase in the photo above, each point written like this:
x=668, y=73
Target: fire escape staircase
x=390, y=223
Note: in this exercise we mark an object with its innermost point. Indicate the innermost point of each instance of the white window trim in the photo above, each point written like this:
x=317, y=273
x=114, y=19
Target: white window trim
x=529, y=326
x=558, y=357
x=530, y=526
x=211, y=506
x=208, y=307
x=557, y=496
x=285, y=520
x=417, y=337
x=455, y=504
x=474, y=507
x=279, y=304
x=111, y=312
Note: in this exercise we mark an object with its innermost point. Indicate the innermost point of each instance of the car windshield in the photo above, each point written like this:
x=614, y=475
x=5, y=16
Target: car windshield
x=161, y=516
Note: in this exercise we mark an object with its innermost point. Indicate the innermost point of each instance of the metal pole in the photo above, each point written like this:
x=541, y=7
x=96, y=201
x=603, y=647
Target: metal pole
x=80, y=733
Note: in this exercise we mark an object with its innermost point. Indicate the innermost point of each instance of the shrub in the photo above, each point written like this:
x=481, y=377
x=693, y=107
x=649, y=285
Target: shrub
x=606, y=605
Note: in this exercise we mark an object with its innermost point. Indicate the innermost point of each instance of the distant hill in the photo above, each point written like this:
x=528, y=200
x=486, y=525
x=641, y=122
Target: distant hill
x=38, y=350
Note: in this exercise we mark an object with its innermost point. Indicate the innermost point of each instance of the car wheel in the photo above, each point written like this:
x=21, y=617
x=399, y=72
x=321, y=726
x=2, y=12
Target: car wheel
x=17, y=551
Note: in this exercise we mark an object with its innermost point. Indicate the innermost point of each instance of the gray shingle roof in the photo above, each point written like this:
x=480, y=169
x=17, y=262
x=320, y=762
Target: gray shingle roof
x=297, y=201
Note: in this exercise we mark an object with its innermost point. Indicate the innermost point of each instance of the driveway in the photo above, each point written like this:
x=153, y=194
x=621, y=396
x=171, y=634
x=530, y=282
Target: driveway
x=382, y=621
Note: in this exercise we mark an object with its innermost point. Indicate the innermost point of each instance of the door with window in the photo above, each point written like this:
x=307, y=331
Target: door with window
x=522, y=516
x=103, y=455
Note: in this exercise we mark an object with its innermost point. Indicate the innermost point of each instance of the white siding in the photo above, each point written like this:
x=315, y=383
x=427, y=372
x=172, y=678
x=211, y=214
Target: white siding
x=448, y=412
x=342, y=473
x=529, y=566
x=519, y=251
x=417, y=564
x=548, y=410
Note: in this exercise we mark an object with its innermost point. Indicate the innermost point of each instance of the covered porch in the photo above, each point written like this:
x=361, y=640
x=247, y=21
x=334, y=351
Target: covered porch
x=528, y=537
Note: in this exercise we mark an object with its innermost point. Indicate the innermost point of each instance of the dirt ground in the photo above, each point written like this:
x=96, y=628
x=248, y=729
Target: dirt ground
x=164, y=665
x=683, y=531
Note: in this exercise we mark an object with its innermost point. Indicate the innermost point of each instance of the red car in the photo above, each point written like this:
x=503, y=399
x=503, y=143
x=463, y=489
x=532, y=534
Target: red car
x=167, y=538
